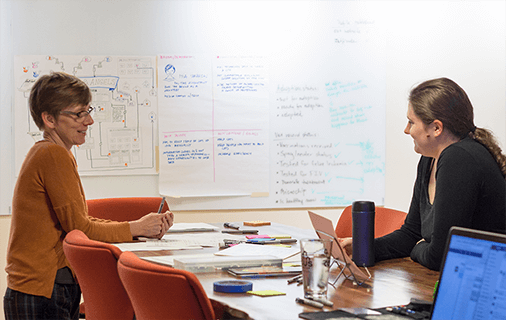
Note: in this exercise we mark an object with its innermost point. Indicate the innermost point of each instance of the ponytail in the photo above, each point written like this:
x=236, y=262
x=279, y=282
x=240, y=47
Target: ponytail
x=486, y=138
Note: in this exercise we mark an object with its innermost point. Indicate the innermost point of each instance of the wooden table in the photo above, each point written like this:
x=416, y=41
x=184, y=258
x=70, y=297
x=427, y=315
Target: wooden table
x=393, y=282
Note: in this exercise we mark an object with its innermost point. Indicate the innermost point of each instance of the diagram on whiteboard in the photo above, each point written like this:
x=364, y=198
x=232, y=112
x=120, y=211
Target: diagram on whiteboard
x=123, y=139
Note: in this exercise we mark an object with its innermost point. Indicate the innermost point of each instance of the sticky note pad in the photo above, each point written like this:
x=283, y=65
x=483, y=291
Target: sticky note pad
x=256, y=223
x=266, y=293
x=291, y=264
x=258, y=236
x=281, y=236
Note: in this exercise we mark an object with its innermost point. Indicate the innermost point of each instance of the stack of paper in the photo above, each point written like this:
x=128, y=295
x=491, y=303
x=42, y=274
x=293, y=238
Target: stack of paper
x=246, y=249
x=192, y=227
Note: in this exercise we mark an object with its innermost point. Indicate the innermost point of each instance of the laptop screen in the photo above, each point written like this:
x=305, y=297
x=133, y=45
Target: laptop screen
x=472, y=283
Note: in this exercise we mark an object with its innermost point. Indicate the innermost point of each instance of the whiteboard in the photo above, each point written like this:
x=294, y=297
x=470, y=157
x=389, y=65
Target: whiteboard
x=298, y=122
x=462, y=40
x=124, y=138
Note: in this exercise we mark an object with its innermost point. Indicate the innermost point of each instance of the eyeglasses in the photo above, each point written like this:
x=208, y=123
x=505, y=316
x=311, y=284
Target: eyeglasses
x=80, y=115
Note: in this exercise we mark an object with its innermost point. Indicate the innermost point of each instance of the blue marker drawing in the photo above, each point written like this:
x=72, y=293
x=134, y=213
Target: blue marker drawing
x=170, y=70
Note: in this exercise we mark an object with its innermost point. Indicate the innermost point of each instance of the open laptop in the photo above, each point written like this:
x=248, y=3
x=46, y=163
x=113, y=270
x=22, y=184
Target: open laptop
x=472, y=282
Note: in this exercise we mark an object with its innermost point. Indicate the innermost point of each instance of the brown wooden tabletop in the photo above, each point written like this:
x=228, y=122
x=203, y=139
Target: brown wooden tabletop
x=393, y=282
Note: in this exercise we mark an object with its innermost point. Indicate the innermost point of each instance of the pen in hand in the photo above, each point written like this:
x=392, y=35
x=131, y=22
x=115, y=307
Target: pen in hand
x=161, y=205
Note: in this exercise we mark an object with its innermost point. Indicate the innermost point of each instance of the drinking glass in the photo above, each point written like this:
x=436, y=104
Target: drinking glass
x=315, y=258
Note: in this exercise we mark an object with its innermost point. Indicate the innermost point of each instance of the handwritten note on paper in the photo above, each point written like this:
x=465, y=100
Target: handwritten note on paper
x=209, y=146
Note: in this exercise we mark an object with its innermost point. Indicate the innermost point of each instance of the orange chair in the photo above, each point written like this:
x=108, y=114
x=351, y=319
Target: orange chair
x=386, y=220
x=122, y=209
x=95, y=265
x=160, y=292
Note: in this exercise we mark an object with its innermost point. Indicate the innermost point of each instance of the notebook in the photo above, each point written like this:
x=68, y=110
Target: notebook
x=472, y=282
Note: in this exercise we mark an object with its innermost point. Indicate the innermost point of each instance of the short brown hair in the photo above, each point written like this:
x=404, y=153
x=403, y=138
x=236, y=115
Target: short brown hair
x=54, y=92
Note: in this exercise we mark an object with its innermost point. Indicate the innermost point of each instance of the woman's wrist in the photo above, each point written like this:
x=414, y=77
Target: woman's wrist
x=134, y=230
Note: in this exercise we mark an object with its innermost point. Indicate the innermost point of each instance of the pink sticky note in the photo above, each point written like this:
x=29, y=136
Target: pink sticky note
x=257, y=236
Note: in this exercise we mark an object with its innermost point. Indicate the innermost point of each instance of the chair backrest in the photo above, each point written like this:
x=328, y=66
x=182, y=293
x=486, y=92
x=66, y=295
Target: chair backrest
x=124, y=209
x=160, y=292
x=386, y=220
x=95, y=265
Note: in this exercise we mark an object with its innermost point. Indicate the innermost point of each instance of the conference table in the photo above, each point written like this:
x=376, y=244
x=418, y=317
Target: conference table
x=393, y=282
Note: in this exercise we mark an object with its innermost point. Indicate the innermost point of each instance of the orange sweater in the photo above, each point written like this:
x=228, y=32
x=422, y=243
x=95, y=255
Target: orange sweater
x=49, y=202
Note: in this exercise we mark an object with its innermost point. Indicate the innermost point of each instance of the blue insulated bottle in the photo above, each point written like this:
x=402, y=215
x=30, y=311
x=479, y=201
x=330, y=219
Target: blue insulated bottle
x=363, y=233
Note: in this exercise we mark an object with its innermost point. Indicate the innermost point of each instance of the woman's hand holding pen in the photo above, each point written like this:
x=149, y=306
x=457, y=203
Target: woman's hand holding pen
x=153, y=225
x=168, y=221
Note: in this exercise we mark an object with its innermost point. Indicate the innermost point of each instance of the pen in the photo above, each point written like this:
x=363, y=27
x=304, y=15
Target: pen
x=308, y=302
x=231, y=225
x=323, y=301
x=294, y=279
x=401, y=310
x=240, y=231
x=161, y=205
x=260, y=240
x=280, y=241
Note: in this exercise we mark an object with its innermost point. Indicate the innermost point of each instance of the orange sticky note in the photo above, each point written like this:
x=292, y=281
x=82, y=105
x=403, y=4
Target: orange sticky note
x=256, y=223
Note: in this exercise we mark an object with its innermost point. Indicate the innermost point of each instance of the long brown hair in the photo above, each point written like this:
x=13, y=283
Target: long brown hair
x=444, y=100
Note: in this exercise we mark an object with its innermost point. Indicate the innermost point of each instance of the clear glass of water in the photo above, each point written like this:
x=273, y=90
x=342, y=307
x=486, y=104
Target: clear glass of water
x=315, y=258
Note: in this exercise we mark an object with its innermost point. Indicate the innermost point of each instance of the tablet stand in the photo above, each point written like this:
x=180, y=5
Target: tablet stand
x=343, y=265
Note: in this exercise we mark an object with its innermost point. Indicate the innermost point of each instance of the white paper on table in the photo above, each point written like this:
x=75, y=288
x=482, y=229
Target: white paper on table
x=246, y=249
x=156, y=245
x=180, y=241
x=169, y=260
x=192, y=227
x=204, y=239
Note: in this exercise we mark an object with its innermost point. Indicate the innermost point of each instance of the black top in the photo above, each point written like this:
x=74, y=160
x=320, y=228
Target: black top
x=470, y=192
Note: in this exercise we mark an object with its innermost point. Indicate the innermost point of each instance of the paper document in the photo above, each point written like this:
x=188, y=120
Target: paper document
x=204, y=239
x=180, y=241
x=169, y=260
x=192, y=227
x=156, y=245
x=246, y=249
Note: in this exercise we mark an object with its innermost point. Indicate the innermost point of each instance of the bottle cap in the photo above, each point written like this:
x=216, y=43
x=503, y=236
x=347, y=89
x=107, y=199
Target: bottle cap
x=363, y=206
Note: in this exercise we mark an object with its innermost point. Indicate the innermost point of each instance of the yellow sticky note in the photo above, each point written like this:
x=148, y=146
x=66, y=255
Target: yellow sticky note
x=266, y=293
x=291, y=264
x=281, y=236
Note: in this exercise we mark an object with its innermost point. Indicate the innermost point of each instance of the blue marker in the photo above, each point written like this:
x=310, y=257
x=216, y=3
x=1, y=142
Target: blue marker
x=260, y=240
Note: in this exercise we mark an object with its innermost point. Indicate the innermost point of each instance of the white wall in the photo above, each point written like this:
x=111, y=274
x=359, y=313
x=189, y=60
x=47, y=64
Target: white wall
x=5, y=138
x=463, y=40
